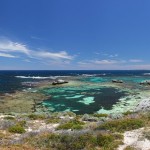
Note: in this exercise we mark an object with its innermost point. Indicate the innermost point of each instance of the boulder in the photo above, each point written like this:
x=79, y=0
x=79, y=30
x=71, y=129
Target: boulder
x=60, y=81
x=117, y=81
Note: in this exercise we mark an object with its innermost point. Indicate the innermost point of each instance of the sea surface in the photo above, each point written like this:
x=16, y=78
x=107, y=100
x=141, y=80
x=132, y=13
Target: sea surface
x=87, y=97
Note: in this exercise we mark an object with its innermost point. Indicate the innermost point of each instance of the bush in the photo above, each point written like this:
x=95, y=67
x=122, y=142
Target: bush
x=53, y=120
x=129, y=148
x=16, y=129
x=9, y=118
x=36, y=116
x=73, y=124
x=122, y=125
x=128, y=113
x=22, y=123
x=100, y=115
x=104, y=140
x=76, y=141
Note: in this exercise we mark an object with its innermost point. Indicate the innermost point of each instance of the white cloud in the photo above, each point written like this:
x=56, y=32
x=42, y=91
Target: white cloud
x=7, y=55
x=101, y=62
x=135, y=60
x=10, y=47
x=54, y=55
x=105, y=62
x=112, y=56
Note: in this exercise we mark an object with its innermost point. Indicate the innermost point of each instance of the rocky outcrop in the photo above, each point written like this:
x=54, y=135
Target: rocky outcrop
x=89, y=118
x=60, y=81
x=145, y=82
x=144, y=105
x=117, y=81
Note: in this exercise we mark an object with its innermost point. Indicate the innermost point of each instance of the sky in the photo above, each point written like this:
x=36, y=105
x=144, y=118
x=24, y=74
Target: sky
x=74, y=34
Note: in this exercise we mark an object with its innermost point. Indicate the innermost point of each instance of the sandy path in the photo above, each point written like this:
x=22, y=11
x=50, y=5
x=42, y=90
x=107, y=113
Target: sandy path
x=134, y=138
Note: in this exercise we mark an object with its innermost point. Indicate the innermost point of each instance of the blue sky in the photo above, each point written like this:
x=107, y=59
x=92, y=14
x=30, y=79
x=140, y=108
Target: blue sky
x=74, y=34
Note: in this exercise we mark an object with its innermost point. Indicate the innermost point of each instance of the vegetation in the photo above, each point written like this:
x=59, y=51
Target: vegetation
x=73, y=124
x=122, y=125
x=129, y=148
x=104, y=135
x=128, y=113
x=52, y=120
x=16, y=129
x=36, y=116
x=100, y=115
x=22, y=123
x=9, y=118
x=74, y=141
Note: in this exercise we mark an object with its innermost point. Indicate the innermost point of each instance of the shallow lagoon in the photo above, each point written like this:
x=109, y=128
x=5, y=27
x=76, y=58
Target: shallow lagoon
x=90, y=95
x=86, y=96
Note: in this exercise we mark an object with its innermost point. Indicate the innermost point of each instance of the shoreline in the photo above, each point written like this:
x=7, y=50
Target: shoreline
x=30, y=99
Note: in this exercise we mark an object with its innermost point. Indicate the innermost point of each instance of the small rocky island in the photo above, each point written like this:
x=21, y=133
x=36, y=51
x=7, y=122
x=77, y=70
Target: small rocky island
x=147, y=82
x=117, y=81
x=59, y=81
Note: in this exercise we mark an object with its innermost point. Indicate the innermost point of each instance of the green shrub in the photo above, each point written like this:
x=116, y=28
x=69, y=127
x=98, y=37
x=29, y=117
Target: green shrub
x=87, y=141
x=104, y=140
x=16, y=129
x=128, y=113
x=9, y=118
x=36, y=116
x=129, y=148
x=53, y=120
x=22, y=123
x=73, y=124
x=122, y=125
x=100, y=115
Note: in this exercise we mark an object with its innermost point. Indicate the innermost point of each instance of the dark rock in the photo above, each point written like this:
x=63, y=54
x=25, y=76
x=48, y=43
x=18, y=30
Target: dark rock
x=117, y=81
x=145, y=83
x=59, y=82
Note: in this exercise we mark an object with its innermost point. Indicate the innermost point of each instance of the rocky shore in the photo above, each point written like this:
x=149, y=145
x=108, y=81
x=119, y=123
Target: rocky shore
x=24, y=122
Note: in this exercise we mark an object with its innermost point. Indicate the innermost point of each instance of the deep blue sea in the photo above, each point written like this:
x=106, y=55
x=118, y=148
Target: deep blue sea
x=11, y=81
x=80, y=99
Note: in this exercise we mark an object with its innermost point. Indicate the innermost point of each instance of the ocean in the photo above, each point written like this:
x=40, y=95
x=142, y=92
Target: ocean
x=87, y=94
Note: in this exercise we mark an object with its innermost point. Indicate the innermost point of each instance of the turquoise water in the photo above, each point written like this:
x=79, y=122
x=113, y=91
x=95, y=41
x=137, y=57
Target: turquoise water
x=129, y=79
x=89, y=97
x=82, y=101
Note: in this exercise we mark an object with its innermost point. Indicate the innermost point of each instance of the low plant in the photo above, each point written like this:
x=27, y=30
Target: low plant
x=122, y=125
x=22, y=123
x=36, y=116
x=73, y=124
x=100, y=115
x=104, y=140
x=9, y=118
x=52, y=120
x=127, y=113
x=129, y=148
x=76, y=141
x=16, y=129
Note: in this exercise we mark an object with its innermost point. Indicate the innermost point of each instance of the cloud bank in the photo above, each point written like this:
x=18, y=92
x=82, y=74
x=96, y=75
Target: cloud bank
x=13, y=49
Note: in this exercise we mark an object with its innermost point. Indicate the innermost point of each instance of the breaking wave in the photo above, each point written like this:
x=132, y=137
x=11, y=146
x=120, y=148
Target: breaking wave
x=38, y=77
x=146, y=74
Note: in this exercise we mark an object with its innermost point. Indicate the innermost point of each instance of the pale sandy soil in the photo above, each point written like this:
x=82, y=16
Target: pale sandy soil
x=135, y=139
